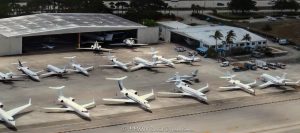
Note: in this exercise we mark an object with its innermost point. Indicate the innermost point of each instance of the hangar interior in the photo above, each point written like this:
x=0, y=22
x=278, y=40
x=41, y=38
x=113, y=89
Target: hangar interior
x=63, y=31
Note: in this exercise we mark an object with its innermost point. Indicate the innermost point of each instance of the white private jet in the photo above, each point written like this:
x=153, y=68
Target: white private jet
x=161, y=59
x=278, y=81
x=53, y=70
x=48, y=46
x=238, y=85
x=10, y=76
x=77, y=67
x=128, y=42
x=271, y=18
x=96, y=47
x=7, y=116
x=185, y=90
x=142, y=63
x=186, y=78
x=185, y=59
x=31, y=74
x=70, y=104
x=130, y=96
x=116, y=63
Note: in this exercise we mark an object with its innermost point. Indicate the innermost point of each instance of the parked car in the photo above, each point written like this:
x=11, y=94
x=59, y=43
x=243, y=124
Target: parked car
x=271, y=65
x=283, y=41
x=180, y=49
x=220, y=4
x=224, y=64
x=280, y=65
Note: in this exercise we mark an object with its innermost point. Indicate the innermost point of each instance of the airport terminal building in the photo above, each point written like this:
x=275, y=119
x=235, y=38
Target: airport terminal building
x=199, y=36
x=66, y=30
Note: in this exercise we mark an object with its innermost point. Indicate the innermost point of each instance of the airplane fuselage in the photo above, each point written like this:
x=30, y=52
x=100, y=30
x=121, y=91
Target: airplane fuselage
x=244, y=87
x=69, y=102
x=5, y=76
x=168, y=62
x=144, y=103
x=274, y=80
x=29, y=73
x=183, y=87
x=7, y=118
x=80, y=69
x=138, y=60
x=55, y=69
x=119, y=64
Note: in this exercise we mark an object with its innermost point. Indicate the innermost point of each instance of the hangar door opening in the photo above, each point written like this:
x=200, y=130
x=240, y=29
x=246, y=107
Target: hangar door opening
x=184, y=41
x=50, y=43
x=107, y=37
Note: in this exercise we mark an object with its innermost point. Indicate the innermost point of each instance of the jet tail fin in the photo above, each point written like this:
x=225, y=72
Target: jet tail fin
x=59, y=89
x=204, y=89
x=194, y=73
x=120, y=81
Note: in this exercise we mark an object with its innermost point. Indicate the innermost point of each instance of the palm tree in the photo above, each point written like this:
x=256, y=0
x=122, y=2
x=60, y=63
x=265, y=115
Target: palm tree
x=247, y=38
x=217, y=36
x=229, y=38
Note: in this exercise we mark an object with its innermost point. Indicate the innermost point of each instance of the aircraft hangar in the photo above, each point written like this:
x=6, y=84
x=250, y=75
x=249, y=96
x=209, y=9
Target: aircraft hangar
x=66, y=31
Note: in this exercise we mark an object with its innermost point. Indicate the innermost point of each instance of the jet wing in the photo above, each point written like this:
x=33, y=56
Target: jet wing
x=105, y=49
x=54, y=109
x=137, y=67
x=266, y=84
x=89, y=105
x=108, y=65
x=230, y=88
x=47, y=74
x=204, y=89
x=252, y=84
x=89, y=68
x=148, y=96
x=118, y=100
x=85, y=48
x=139, y=44
x=171, y=94
x=38, y=72
x=17, y=110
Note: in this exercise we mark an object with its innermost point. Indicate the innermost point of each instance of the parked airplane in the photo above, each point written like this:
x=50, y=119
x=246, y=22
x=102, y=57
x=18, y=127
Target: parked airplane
x=142, y=63
x=278, y=81
x=7, y=116
x=239, y=85
x=70, y=104
x=186, y=90
x=53, y=70
x=10, y=76
x=185, y=59
x=128, y=42
x=186, y=78
x=130, y=96
x=77, y=67
x=33, y=75
x=48, y=46
x=96, y=47
x=271, y=18
x=161, y=59
x=116, y=63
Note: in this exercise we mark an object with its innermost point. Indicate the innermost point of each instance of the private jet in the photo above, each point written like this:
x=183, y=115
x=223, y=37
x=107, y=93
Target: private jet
x=142, y=63
x=10, y=76
x=185, y=59
x=161, y=59
x=96, y=47
x=184, y=89
x=237, y=84
x=70, y=104
x=278, y=81
x=185, y=78
x=26, y=71
x=7, y=116
x=53, y=70
x=116, y=63
x=77, y=67
x=130, y=42
x=130, y=96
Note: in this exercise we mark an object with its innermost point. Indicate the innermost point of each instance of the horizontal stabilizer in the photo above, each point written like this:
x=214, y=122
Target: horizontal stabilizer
x=57, y=88
x=122, y=78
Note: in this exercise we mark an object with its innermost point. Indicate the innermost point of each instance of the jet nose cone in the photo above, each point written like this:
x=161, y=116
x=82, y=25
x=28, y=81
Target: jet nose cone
x=36, y=78
x=87, y=115
x=86, y=73
x=12, y=123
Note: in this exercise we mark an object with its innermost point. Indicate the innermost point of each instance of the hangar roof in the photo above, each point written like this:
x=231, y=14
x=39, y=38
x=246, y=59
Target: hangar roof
x=202, y=33
x=173, y=24
x=31, y=25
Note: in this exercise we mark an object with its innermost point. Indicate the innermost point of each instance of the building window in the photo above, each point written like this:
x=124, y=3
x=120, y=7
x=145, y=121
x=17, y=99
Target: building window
x=248, y=43
x=237, y=45
x=259, y=43
x=253, y=43
x=264, y=42
x=242, y=44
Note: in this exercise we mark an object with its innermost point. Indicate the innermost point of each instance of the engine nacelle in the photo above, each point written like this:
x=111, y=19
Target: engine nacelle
x=1, y=105
x=133, y=91
x=72, y=99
